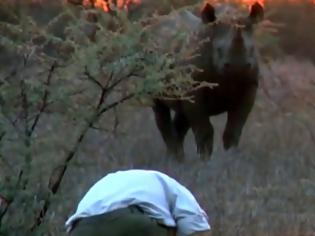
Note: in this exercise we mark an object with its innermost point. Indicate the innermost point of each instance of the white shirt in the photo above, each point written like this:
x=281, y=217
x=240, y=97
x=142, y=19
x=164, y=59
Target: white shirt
x=160, y=197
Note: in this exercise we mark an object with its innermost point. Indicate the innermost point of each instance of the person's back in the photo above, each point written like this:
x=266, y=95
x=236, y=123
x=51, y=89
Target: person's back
x=153, y=194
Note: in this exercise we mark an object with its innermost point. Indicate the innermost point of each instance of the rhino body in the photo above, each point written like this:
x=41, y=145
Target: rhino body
x=227, y=57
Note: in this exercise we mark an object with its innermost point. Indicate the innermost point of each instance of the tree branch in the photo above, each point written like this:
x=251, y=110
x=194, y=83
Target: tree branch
x=5, y=203
x=4, y=206
x=27, y=133
x=59, y=172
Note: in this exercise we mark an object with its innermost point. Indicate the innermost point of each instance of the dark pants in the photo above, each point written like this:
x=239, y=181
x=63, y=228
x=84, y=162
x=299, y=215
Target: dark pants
x=130, y=221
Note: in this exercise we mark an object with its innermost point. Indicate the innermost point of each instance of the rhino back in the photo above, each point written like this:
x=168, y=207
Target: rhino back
x=173, y=29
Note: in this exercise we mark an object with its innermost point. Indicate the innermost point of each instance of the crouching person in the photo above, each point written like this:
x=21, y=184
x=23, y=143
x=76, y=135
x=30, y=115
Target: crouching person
x=138, y=203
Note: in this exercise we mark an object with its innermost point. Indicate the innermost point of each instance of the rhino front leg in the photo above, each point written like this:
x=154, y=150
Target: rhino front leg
x=164, y=123
x=237, y=117
x=181, y=126
x=197, y=116
x=203, y=132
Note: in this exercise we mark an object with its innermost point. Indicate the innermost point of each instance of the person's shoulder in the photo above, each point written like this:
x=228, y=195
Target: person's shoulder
x=167, y=179
x=146, y=173
x=137, y=172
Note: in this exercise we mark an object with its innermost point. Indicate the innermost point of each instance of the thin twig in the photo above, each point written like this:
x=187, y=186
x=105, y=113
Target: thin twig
x=7, y=164
x=114, y=104
x=45, y=98
x=110, y=78
x=25, y=108
x=102, y=98
x=27, y=133
x=8, y=202
x=11, y=74
x=3, y=133
x=91, y=78
x=4, y=206
x=116, y=121
x=118, y=81
x=12, y=122
x=100, y=129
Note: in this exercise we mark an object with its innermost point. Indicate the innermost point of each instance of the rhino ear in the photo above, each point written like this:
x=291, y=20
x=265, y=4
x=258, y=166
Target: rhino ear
x=208, y=14
x=256, y=13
